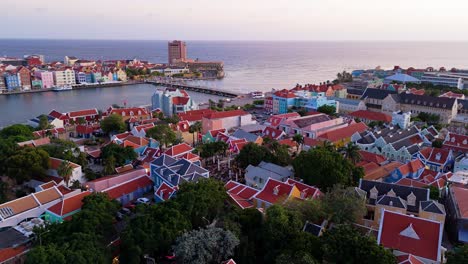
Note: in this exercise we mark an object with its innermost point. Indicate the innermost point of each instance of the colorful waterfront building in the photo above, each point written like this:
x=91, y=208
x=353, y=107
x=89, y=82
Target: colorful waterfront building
x=317, y=101
x=12, y=80
x=80, y=77
x=282, y=101
x=46, y=77
x=172, y=101
x=96, y=77
x=64, y=76
x=24, y=75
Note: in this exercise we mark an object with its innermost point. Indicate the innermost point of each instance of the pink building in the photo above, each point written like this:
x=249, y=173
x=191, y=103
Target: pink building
x=227, y=119
x=177, y=51
x=46, y=77
x=311, y=126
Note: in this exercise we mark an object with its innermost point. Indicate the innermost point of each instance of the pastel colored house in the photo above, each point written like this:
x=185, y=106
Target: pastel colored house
x=66, y=208
x=240, y=194
x=370, y=116
x=64, y=76
x=405, y=234
x=311, y=126
x=275, y=120
x=30, y=206
x=226, y=120
x=130, y=190
x=140, y=131
x=436, y=159
x=318, y=101
x=107, y=182
x=342, y=136
x=412, y=170
x=178, y=150
x=46, y=77
x=212, y=135
x=129, y=114
x=276, y=191
x=461, y=164
x=166, y=170
x=282, y=101
x=249, y=137
x=12, y=80
x=172, y=101
x=24, y=75
x=456, y=142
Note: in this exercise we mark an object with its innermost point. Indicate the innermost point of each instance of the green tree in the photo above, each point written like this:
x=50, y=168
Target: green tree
x=109, y=167
x=80, y=121
x=327, y=109
x=343, y=77
x=296, y=258
x=83, y=239
x=121, y=154
x=458, y=256
x=162, y=133
x=324, y=168
x=437, y=143
x=252, y=154
x=201, y=202
x=43, y=122
x=299, y=139
x=343, y=205
x=17, y=133
x=434, y=193
x=26, y=163
x=211, y=149
x=7, y=148
x=3, y=191
x=351, y=152
x=344, y=244
x=195, y=128
x=205, y=246
x=65, y=171
x=113, y=124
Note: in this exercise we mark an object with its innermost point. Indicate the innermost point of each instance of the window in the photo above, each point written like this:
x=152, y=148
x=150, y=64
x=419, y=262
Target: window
x=373, y=193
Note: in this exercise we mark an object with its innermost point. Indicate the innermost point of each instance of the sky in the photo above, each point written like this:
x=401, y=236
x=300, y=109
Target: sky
x=318, y=20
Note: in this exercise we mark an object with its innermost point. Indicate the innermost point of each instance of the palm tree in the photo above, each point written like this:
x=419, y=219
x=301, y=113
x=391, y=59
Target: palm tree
x=197, y=126
x=65, y=171
x=351, y=152
x=299, y=139
x=328, y=146
x=109, y=168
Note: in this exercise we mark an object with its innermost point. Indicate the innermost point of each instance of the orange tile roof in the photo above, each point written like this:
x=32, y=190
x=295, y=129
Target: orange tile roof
x=268, y=192
x=124, y=168
x=9, y=253
x=345, y=132
x=48, y=195
x=55, y=163
x=21, y=204
x=382, y=171
x=82, y=113
x=69, y=204
x=128, y=187
x=225, y=114
x=461, y=197
x=370, y=115
x=179, y=149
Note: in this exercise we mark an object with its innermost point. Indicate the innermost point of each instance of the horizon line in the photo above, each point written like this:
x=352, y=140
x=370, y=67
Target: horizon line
x=239, y=40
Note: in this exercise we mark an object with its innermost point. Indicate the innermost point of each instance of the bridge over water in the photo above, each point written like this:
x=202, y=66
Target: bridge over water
x=191, y=87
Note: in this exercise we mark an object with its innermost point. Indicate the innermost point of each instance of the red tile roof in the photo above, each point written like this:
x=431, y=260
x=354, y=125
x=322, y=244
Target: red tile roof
x=195, y=115
x=82, y=129
x=128, y=187
x=225, y=114
x=312, y=142
x=408, y=259
x=273, y=133
x=460, y=195
x=288, y=142
x=69, y=204
x=55, y=163
x=180, y=100
x=307, y=191
x=124, y=168
x=178, y=150
x=215, y=132
x=456, y=142
x=190, y=156
x=274, y=190
x=56, y=114
x=276, y=119
x=241, y=194
x=285, y=94
x=127, y=111
x=435, y=155
x=409, y=234
x=371, y=157
x=165, y=191
x=373, y=116
x=411, y=183
x=345, y=132
x=411, y=167
x=64, y=190
x=83, y=113
x=9, y=253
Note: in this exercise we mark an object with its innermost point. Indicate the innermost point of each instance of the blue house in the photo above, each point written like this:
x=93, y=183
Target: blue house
x=315, y=102
x=89, y=77
x=437, y=159
x=282, y=101
x=80, y=77
x=12, y=81
x=167, y=173
x=412, y=170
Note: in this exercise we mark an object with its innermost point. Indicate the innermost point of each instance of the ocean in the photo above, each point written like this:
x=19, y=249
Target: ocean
x=248, y=65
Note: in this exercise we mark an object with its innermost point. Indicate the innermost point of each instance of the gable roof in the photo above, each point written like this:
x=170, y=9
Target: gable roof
x=411, y=167
x=127, y=187
x=376, y=93
x=403, y=192
x=225, y=114
x=241, y=194
x=83, y=113
x=178, y=150
x=305, y=121
x=165, y=191
x=274, y=190
x=371, y=157
x=69, y=204
x=275, y=120
x=433, y=207
x=371, y=115
x=273, y=133
x=418, y=236
x=456, y=142
x=345, y=132
x=408, y=259
x=460, y=197
x=307, y=191
x=428, y=101
x=239, y=133
x=435, y=155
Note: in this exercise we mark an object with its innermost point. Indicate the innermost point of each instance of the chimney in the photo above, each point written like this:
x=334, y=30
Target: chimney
x=391, y=203
x=276, y=190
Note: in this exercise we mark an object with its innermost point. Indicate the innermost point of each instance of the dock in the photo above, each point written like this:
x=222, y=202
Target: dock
x=193, y=88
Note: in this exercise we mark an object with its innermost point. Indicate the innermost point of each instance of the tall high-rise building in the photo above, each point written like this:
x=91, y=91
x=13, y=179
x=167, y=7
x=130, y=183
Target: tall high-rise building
x=177, y=51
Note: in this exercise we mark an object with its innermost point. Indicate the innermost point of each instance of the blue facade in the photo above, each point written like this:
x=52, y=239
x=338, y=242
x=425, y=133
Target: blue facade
x=89, y=78
x=12, y=81
x=97, y=77
x=397, y=174
x=80, y=77
x=284, y=103
x=316, y=102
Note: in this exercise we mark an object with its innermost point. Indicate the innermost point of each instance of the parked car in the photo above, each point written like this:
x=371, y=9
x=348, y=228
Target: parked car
x=122, y=213
x=142, y=200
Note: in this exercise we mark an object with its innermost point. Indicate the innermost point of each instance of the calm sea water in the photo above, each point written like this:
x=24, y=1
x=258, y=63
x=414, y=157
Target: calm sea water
x=248, y=65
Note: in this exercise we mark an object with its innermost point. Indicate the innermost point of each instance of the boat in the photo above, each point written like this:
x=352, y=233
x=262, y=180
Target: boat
x=257, y=95
x=62, y=88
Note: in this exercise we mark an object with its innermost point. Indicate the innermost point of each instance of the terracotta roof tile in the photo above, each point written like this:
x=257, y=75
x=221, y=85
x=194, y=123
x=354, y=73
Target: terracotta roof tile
x=69, y=204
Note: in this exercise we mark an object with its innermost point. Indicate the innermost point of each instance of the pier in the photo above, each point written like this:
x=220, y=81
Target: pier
x=193, y=88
